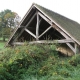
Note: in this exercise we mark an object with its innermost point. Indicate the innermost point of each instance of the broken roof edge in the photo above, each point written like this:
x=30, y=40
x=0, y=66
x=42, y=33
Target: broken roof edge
x=35, y=5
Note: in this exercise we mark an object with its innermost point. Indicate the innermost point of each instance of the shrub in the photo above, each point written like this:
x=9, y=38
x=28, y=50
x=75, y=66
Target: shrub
x=5, y=75
x=75, y=60
x=27, y=59
x=37, y=62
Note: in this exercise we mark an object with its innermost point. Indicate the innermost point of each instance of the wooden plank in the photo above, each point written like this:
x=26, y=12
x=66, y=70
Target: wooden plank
x=45, y=31
x=30, y=33
x=37, y=27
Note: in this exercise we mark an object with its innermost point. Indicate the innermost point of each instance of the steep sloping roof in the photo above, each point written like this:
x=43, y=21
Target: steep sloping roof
x=70, y=27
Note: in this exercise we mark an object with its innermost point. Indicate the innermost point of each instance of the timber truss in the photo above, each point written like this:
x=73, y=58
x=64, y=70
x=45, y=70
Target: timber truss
x=37, y=33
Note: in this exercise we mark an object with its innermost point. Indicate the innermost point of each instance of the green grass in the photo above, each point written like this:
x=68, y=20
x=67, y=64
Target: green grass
x=1, y=39
x=2, y=45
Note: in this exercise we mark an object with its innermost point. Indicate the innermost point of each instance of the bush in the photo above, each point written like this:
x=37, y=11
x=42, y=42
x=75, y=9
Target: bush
x=28, y=58
x=37, y=62
x=75, y=60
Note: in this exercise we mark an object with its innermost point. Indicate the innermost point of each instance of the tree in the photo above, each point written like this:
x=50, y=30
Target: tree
x=8, y=21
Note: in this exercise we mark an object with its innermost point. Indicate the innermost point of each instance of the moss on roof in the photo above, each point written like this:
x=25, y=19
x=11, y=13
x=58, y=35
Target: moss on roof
x=70, y=26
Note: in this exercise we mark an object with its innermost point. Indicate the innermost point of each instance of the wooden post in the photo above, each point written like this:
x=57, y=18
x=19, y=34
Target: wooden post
x=37, y=27
x=76, y=48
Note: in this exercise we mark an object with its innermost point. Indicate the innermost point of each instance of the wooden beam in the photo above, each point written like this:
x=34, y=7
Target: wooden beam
x=51, y=41
x=37, y=28
x=45, y=18
x=30, y=33
x=46, y=42
x=45, y=31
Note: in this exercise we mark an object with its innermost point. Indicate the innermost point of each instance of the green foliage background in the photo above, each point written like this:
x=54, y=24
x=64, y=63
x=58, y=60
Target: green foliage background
x=8, y=21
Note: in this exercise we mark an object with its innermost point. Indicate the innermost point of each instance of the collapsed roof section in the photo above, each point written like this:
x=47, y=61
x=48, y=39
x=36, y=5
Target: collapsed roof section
x=40, y=24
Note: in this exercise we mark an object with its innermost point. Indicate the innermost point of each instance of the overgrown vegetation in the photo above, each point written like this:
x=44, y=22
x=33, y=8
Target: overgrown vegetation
x=2, y=45
x=38, y=62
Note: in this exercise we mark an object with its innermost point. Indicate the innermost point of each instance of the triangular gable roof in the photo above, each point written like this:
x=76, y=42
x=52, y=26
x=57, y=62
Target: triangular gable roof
x=70, y=27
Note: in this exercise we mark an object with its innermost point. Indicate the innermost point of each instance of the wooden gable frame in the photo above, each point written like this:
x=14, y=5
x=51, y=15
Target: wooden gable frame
x=52, y=25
